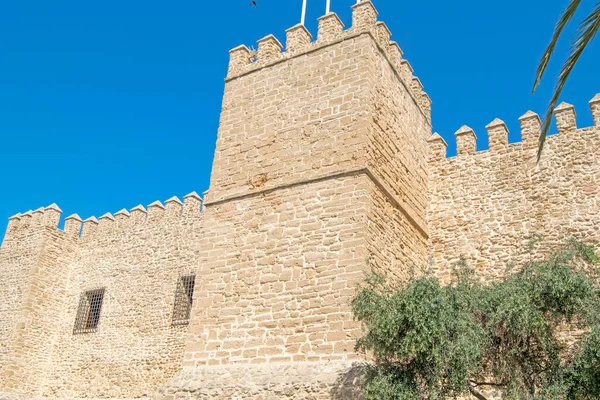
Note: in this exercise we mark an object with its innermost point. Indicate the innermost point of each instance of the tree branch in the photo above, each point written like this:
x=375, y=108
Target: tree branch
x=475, y=392
x=486, y=383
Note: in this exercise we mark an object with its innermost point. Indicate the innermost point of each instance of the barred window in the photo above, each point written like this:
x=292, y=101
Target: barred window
x=88, y=313
x=184, y=295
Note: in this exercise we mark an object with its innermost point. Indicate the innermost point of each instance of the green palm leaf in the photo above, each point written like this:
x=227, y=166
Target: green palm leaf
x=584, y=35
x=566, y=16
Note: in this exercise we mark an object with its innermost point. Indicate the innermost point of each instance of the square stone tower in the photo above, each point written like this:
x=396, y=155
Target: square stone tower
x=320, y=174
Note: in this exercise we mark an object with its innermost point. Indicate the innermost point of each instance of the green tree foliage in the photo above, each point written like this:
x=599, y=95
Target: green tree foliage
x=431, y=341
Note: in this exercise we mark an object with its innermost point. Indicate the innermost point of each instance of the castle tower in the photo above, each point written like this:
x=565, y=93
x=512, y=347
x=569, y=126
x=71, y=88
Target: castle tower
x=34, y=260
x=325, y=168
x=320, y=174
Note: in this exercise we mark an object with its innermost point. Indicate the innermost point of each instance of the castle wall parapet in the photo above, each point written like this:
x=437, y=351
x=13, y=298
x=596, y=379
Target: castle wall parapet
x=52, y=215
x=395, y=53
x=437, y=147
x=156, y=211
x=13, y=222
x=269, y=49
x=297, y=38
x=330, y=31
x=364, y=16
x=192, y=203
x=106, y=223
x=531, y=126
x=565, y=117
x=173, y=207
x=138, y=214
x=466, y=141
x=122, y=216
x=36, y=217
x=125, y=220
x=486, y=204
x=90, y=226
x=26, y=219
x=21, y=225
x=530, y=123
x=73, y=225
x=497, y=134
x=595, y=107
x=330, y=28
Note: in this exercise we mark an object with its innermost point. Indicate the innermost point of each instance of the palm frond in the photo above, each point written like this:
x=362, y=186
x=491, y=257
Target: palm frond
x=566, y=16
x=585, y=34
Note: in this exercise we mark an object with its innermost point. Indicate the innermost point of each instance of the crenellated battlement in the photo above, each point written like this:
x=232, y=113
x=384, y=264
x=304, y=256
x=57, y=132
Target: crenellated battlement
x=485, y=204
x=155, y=213
x=31, y=221
x=330, y=31
x=466, y=139
x=21, y=225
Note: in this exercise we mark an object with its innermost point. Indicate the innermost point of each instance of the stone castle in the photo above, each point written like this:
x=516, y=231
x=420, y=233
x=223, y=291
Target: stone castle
x=325, y=168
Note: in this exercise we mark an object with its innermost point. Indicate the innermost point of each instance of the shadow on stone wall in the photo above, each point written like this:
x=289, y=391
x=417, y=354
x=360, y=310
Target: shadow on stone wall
x=349, y=385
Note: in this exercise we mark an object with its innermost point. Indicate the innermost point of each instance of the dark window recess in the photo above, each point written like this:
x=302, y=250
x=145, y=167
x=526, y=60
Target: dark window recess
x=88, y=313
x=184, y=295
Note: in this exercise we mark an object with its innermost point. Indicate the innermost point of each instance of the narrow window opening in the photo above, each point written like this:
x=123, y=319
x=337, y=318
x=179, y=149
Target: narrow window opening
x=184, y=297
x=88, y=312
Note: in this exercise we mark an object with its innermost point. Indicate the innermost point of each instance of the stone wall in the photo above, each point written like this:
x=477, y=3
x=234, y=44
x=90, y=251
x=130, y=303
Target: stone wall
x=398, y=131
x=34, y=259
x=278, y=274
x=138, y=258
x=317, y=149
x=18, y=257
x=485, y=205
x=292, y=120
x=395, y=244
x=335, y=380
x=314, y=109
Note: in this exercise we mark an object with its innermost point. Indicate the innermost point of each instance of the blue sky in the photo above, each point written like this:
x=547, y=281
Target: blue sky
x=106, y=105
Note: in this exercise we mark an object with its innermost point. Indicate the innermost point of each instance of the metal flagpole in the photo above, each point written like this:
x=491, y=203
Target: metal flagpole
x=327, y=7
x=303, y=12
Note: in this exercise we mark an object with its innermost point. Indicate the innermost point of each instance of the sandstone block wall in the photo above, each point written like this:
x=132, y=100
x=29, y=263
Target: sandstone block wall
x=278, y=273
x=17, y=262
x=292, y=120
x=33, y=260
x=335, y=380
x=395, y=244
x=485, y=205
x=138, y=258
x=311, y=109
x=310, y=184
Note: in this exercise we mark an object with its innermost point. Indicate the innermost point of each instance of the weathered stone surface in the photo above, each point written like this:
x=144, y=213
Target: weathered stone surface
x=333, y=380
x=485, y=205
x=325, y=168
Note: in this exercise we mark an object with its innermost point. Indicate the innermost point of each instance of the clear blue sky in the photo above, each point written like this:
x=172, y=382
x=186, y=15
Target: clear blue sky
x=106, y=105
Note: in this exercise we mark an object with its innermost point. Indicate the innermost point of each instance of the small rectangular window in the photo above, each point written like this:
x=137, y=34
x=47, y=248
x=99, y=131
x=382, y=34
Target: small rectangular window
x=184, y=295
x=88, y=313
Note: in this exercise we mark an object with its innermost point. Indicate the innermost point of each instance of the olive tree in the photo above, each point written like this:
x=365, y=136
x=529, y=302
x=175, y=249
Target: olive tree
x=430, y=341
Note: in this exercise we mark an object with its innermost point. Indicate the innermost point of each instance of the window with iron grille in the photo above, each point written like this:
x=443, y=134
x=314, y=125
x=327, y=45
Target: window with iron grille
x=88, y=313
x=184, y=295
